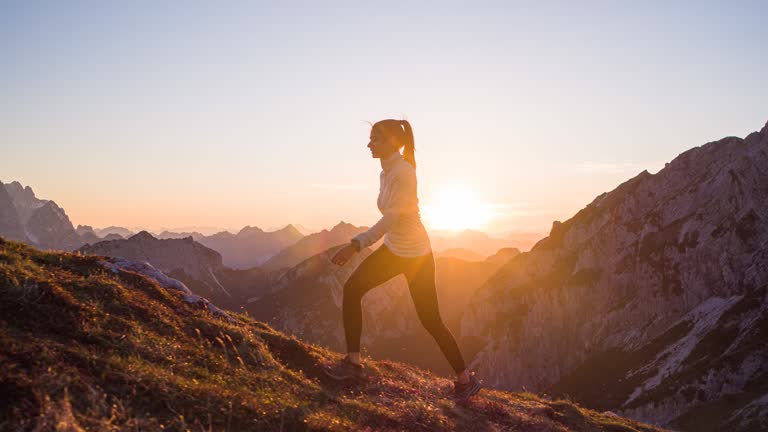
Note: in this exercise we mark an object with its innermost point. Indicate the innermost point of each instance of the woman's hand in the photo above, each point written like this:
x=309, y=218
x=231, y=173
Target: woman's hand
x=343, y=255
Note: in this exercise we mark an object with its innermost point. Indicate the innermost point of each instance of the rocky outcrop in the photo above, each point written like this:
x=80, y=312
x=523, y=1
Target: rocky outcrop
x=50, y=227
x=654, y=294
x=24, y=199
x=117, y=265
x=185, y=255
x=43, y=223
x=11, y=226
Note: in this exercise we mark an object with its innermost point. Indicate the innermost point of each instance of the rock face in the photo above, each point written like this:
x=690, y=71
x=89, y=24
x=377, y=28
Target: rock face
x=24, y=199
x=251, y=246
x=654, y=293
x=11, y=226
x=50, y=227
x=197, y=266
x=43, y=223
x=168, y=255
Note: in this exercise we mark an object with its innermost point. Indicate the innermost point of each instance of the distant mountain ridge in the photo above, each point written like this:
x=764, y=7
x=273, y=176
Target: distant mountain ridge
x=313, y=244
x=251, y=246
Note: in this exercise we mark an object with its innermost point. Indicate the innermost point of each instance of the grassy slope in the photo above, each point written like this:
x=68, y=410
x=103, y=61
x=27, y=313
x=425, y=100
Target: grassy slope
x=83, y=348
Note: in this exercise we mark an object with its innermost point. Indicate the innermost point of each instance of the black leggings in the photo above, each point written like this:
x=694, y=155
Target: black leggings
x=381, y=266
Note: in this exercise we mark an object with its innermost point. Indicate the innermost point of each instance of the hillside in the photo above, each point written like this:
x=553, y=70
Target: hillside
x=87, y=344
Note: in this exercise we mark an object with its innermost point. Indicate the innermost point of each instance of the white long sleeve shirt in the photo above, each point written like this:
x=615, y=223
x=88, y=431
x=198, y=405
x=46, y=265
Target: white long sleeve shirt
x=400, y=224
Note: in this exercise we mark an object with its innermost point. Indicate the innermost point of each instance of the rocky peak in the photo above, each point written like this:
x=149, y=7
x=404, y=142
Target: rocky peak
x=290, y=230
x=24, y=199
x=84, y=229
x=142, y=236
x=250, y=231
x=342, y=228
x=11, y=226
x=19, y=192
x=51, y=228
x=624, y=282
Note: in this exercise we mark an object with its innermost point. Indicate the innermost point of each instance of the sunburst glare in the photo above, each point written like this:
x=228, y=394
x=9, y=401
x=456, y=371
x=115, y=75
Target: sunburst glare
x=456, y=207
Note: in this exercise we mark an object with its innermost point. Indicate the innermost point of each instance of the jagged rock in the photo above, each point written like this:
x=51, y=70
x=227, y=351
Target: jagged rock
x=25, y=200
x=654, y=293
x=85, y=229
x=142, y=267
x=50, y=227
x=11, y=225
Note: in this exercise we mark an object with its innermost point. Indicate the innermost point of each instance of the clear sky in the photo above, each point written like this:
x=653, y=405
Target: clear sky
x=171, y=114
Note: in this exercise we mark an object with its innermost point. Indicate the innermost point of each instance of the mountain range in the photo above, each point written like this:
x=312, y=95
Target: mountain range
x=650, y=302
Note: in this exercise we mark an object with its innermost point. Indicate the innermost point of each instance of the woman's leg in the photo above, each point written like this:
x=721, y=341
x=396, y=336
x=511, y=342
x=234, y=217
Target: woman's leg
x=421, y=282
x=378, y=267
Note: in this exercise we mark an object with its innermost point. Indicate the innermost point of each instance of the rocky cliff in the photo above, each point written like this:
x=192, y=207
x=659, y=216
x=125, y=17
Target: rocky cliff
x=654, y=294
x=11, y=225
x=44, y=224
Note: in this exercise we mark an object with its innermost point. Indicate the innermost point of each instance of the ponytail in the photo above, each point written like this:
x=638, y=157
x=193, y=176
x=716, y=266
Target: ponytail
x=409, y=150
x=401, y=132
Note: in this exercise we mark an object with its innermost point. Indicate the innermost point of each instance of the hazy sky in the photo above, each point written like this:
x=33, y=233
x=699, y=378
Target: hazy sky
x=170, y=114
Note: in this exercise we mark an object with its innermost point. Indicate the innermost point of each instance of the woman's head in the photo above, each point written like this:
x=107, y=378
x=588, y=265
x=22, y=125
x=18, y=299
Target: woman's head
x=389, y=136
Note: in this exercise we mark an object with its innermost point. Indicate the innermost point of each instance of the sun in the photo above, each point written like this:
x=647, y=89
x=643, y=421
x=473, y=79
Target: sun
x=456, y=207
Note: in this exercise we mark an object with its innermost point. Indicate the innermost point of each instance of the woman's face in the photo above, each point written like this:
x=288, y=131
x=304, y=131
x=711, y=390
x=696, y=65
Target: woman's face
x=380, y=146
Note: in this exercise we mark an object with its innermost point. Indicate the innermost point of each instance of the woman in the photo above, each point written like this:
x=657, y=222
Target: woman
x=406, y=249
